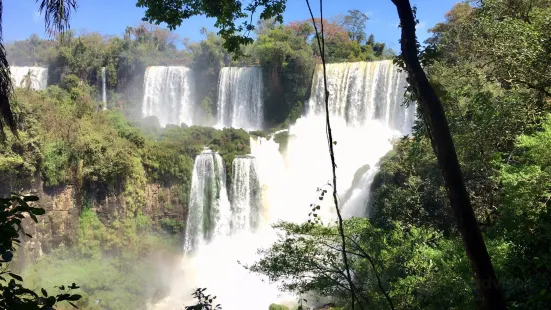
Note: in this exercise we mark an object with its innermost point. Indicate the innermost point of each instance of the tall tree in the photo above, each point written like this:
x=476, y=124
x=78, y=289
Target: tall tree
x=56, y=16
x=444, y=149
x=354, y=22
x=6, y=87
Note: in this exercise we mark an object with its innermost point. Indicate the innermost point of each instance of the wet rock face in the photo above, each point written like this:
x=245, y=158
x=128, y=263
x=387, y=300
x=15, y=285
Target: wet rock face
x=58, y=228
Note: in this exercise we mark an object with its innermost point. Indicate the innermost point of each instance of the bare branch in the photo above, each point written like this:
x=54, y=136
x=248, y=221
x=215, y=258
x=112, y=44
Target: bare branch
x=321, y=46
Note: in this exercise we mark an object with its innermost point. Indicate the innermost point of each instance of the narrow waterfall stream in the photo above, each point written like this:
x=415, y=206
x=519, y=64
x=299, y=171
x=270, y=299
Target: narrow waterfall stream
x=245, y=193
x=37, y=76
x=240, y=102
x=169, y=95
x=209, y=208
x=104, y=88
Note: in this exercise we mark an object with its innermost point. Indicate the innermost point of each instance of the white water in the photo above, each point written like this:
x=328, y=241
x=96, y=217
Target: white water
x=103, y=88
x=245, y=195
x=169, y=95
x=38, y=77
x=209, y=212
x=240, y=102
x=366, y=115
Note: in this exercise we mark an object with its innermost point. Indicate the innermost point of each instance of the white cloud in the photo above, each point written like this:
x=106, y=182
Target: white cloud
x=36, y=17
x=421, y=25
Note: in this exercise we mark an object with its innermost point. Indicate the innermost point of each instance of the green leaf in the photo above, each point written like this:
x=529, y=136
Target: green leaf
x=17, y=277
x=30, y=198
x=74, y=297
x=7, y=256
x=50, y=301
x=39, y=211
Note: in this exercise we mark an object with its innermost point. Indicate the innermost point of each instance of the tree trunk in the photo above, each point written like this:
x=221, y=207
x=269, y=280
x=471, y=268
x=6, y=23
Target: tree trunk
x=442, y=143
x=6, y=88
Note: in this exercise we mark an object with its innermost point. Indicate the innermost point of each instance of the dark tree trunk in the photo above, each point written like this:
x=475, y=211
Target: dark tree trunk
x=442, y=143
x=6, y=116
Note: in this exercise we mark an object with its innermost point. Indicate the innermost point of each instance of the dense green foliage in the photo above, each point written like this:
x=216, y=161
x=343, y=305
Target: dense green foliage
x=489, y=66
x=288, y=68
x=278, y=307
x=121, y=282
x=415, y=266
x=64, y=139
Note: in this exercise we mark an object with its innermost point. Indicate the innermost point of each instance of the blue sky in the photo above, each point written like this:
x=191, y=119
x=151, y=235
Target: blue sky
x=21, y=18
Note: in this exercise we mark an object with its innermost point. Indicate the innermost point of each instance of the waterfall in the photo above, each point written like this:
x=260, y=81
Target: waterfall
x=366, y=111
x=169, y=95
x=271, y=172
x=361, y=92
x=240, y=101
x=245, y=193
x=103, y=88
x=38, y=77
x=209, y=207
x=366, y=114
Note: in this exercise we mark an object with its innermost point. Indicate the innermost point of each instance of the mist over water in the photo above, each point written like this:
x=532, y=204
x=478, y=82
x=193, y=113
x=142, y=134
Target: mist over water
x=38, y=77
x=268, y=186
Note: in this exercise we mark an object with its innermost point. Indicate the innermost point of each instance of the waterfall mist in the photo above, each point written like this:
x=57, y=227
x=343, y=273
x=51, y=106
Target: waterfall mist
x=169, y=95
x=240, y=102
x=38, y=77
x=367, y=112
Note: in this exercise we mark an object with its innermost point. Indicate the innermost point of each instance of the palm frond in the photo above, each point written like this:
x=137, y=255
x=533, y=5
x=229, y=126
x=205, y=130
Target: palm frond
x=57, y=14
x=6, y=89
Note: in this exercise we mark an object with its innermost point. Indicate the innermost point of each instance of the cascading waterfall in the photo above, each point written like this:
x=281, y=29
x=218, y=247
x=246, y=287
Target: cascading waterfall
x=37, y=76
x=366, y=114
x=169, y=95
x=361, y=92
x=209, y=207
x=103, y=88
x=214, y=262
x=245, y=193
x=240, y=98
x=365, y=104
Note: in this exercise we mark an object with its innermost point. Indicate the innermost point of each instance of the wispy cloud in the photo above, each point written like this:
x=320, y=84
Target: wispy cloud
x=36, y=17
x=421, y=25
